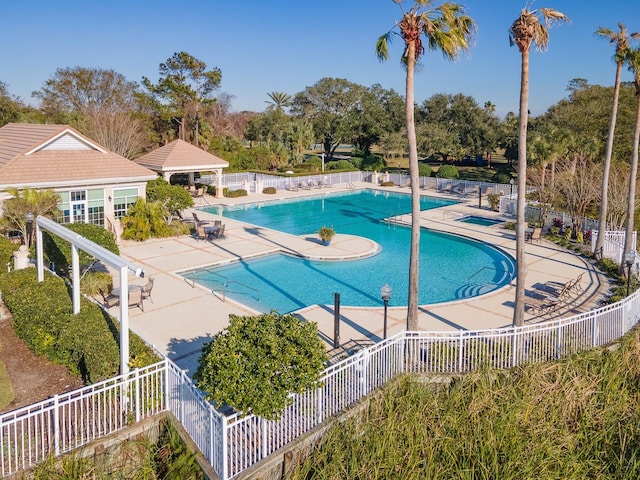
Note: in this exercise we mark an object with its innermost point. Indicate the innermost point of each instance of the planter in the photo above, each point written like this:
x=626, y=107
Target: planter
x=326, y=234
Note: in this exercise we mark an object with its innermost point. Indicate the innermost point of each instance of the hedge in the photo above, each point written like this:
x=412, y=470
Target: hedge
x=87, y=343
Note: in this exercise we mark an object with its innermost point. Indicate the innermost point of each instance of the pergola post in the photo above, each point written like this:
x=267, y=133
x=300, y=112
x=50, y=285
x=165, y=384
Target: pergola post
x=78, y=242
x=219, y=183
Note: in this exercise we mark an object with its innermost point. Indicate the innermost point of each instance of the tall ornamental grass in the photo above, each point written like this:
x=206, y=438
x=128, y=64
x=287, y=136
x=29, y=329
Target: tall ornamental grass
x=572, y=419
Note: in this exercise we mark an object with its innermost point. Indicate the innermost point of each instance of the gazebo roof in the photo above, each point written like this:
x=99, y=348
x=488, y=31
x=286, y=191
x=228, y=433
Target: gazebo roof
x=180, y=156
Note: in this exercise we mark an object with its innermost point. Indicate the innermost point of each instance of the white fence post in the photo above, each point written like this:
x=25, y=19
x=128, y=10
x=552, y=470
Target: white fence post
x=225, y=450
x=138, y=407
x=56, y=426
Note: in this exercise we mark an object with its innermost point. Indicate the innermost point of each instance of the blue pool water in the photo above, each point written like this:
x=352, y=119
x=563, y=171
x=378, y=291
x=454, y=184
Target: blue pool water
x=484, y=221
x=451, y=267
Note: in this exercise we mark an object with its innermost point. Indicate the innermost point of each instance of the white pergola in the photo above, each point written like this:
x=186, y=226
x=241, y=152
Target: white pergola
x=78, y=242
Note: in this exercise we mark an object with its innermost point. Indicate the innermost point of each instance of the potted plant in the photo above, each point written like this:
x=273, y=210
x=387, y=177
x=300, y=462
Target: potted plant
x=326, y=234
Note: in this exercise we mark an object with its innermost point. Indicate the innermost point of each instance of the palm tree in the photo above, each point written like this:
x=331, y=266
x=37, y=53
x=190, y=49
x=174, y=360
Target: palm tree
x=524, y=31
x=448, y=30
x=27, y=201
x=632, y=59
x=621, y=41
x=279, y=100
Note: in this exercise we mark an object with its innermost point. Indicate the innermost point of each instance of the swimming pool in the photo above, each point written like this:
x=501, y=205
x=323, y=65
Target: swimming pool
x=451, y=267
x=476, y=220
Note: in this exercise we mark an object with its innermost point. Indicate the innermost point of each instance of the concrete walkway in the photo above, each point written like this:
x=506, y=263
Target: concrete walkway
x=182, y=316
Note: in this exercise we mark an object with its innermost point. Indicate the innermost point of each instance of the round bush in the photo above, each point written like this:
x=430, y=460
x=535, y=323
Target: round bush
x=447, y=171
x=501, y=177
x=237, y=193
x=269, y=190
x=424, y=170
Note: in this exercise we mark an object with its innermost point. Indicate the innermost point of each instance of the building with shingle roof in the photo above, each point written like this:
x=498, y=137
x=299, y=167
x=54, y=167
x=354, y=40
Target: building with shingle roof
x=182, y=157
x=93, y=183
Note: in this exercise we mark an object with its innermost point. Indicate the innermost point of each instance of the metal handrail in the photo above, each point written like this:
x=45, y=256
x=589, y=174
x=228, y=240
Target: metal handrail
x=225, y=284
x=495, y=270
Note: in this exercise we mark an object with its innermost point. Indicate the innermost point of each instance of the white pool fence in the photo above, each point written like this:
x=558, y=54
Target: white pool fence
x=234, y=443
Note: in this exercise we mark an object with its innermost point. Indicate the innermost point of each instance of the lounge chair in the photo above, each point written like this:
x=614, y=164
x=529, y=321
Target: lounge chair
x=325, y=183
x=292, y=187
x=198, y=221
x=304, y=185
x=446, y=188
x=542, y=306
x=473, y=190
x=459, y=189
x=146, y=290
x=407, y=182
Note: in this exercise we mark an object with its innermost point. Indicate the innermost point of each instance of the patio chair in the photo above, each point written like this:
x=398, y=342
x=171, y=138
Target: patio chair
x=135, y=299
x=471, y=191
x=542, y=306
x=534, y=235
x=201, y=234
x=459, y=189
x=407, y=182
x=446, y=188
x=220, y=232
x=146, y=290
x=109, y=300
x=292, y=187
x=304, y=185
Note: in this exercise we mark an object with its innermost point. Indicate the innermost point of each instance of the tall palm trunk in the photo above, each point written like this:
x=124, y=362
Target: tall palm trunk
x=412, y=311
x=518, y=311
x=628, y=238
x=604, y=193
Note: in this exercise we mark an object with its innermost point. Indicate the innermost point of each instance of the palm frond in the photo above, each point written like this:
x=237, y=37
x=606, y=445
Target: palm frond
x=382, y=46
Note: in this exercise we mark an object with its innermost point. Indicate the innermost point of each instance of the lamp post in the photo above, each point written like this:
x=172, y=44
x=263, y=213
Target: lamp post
x=29, y=228
x=511, y=187
x=385, y=293
x=629, y=258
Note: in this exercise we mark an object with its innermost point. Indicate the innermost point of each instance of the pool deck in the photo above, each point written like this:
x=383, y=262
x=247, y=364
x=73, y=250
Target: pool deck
x=181, y=317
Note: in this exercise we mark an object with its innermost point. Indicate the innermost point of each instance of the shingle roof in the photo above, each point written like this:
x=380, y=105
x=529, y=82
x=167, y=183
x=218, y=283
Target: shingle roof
x=26, y=160
x=180, y=154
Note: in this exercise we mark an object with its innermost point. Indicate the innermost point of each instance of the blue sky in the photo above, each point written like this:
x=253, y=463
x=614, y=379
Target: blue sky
x=286, y=45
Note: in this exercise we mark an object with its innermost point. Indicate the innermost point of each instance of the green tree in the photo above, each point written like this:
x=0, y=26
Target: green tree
x=173, y=197
x=469, y=128
x=632, y=59
x=524, y=31
x=327, y=105
x=257, y=362
x=22, y=202
x=184, y=87
x=621, y=41
x=448, y=30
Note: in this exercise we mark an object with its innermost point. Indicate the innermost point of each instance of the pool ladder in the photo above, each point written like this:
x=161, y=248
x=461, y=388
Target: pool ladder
x=224, y=284
x=506, y=272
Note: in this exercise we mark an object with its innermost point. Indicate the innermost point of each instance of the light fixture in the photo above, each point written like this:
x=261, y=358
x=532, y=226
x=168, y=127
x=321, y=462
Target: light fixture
x=385, y=293
x=29, y=217
x=629, y=259
x=511, y=187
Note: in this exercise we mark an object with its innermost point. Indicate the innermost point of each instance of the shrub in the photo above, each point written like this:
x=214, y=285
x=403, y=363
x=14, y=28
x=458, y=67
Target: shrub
x=387, y=184
x=6, y=251
x=237, y=193
x=494, y=201
x=211, y=190
x=447, y=171
x=145, y=220
x=313, y=163
x=340, y=165
x=257, y=362
x=269, y=190
x=86, y=342
x=510, y=226
x=424, y=170
x=501, y=177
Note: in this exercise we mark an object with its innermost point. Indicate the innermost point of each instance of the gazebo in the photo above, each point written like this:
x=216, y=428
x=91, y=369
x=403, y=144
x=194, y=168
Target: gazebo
x=182, y=157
